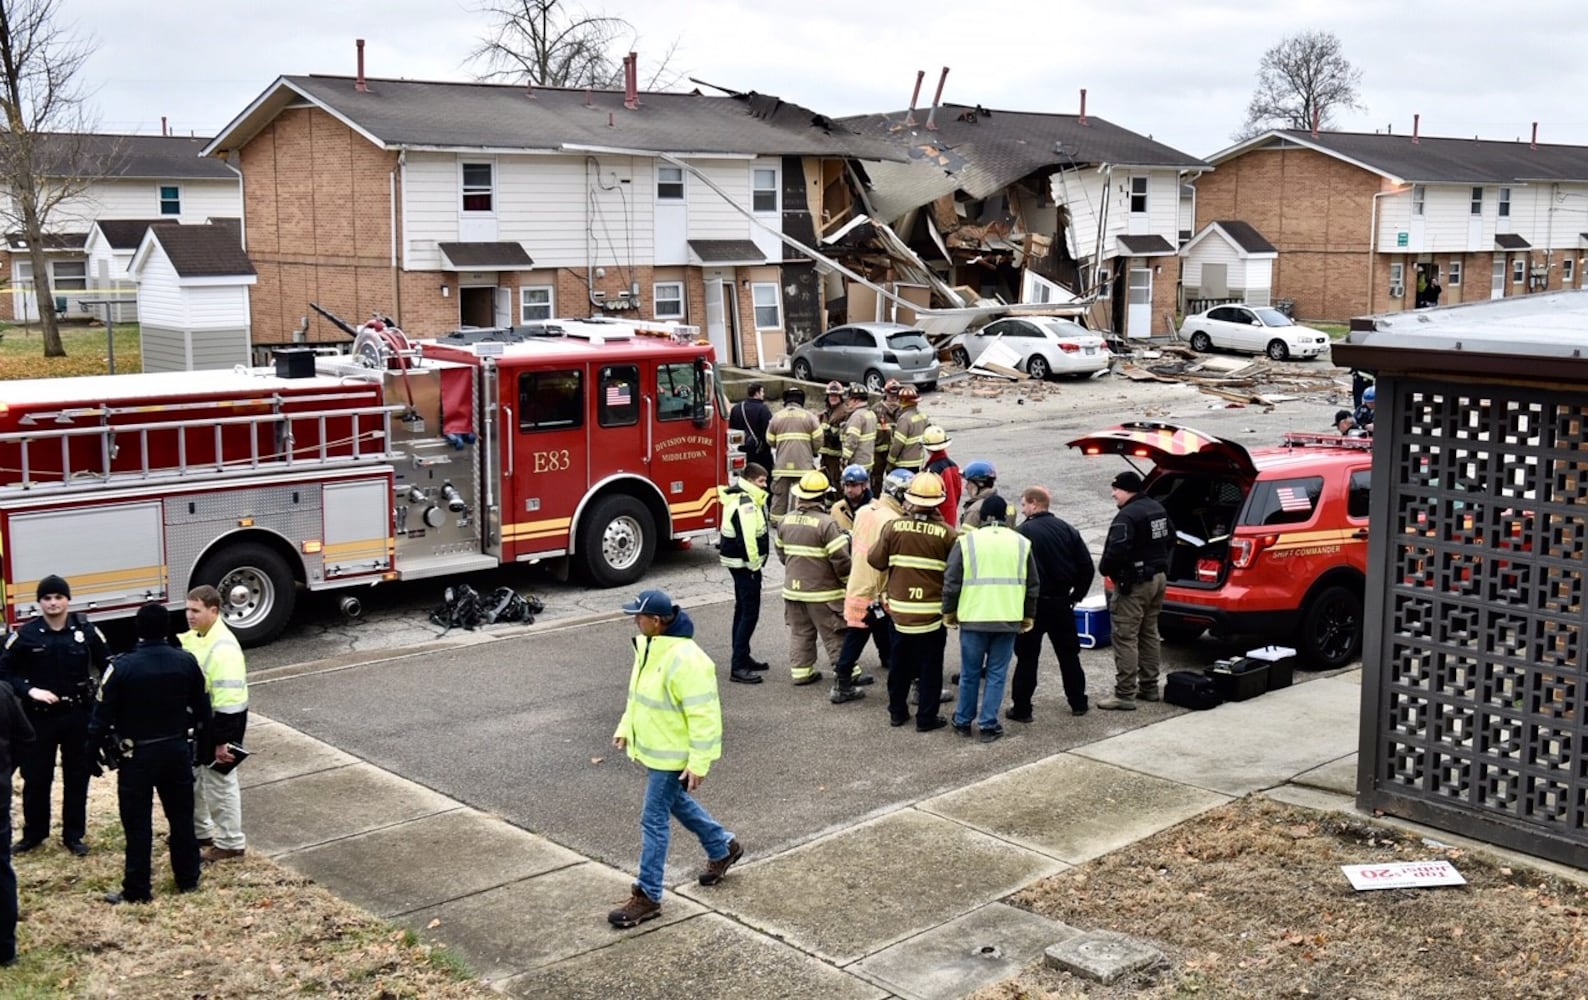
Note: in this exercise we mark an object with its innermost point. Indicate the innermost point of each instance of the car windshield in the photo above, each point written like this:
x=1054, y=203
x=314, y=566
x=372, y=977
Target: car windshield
x=1273, y=317
x=907, y=340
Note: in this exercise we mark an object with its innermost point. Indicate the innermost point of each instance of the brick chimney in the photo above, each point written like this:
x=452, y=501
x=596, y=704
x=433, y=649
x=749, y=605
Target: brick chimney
x=915, y=95
x=931, y=116
x=631, y=81
x=359, y=84
x=1417, y=128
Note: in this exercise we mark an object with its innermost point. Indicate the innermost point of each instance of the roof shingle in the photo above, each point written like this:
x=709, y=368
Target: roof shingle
x=203, y=251
x=486, y=256
x=726, y=251
x=1434, y=159
x=1246, y=236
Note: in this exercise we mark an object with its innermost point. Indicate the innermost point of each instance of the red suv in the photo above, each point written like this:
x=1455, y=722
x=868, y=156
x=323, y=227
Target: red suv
x=1271, y=541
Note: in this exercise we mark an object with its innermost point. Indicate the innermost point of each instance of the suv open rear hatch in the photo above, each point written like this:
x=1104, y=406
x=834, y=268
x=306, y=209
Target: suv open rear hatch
x=1170, y=447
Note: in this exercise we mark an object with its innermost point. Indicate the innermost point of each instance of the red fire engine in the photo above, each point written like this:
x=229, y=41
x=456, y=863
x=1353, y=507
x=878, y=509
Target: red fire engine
x=588, y=440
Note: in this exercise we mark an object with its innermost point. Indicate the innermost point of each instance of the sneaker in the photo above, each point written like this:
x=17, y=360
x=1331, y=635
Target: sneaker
x=810, y=678
x=213, y=854
x=965, y=730
x=636, y=911
x=1016, y=716
x=936, y=722
x=840, y=695
x=744, y=677
x=1117, y=704
x=715, y=870
x=992, y=735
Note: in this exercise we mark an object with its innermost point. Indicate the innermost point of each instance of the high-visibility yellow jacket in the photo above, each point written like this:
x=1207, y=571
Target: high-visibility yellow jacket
x=744, y=533
x=225, y=670
x=673, y=719
x=991, y=580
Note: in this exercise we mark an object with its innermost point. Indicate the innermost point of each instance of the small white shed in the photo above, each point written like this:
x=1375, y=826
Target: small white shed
x=1228, y=261
x=109, y=247
x=193, y=297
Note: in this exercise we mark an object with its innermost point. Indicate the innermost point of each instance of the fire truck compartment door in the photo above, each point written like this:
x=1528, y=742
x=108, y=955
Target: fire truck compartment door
x=113, y=555
x=358, y=536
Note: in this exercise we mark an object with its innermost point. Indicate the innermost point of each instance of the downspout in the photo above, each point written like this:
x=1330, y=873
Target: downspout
x=396, y=262
x=1372, y=244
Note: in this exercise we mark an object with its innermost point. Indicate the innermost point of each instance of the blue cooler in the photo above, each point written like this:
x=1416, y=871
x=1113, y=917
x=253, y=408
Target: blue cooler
x=1092, y=622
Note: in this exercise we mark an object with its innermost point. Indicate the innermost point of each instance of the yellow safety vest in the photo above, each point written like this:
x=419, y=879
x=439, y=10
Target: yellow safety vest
x=673, y=719
x=225, y=670
x=994, y=586
x=749, y=501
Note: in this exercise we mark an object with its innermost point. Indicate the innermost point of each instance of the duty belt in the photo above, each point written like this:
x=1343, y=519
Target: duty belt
x=158, y=739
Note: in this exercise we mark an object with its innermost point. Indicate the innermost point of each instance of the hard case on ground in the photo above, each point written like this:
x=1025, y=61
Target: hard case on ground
x=1191, y=689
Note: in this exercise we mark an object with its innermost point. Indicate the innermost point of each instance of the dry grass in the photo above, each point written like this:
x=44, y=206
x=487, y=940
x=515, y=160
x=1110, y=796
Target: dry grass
x=254, y=929
x=1249, y=901
x=87, y=351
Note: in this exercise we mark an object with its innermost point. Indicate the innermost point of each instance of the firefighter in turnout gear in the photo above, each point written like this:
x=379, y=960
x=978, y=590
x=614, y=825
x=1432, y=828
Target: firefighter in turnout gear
x=744, y=547
x=907, y=450
x=856, y=486
x=860, y=430
x=794, y=435
x=863, y=611
x=832, y=443
x=913, y=550
x=887, y=411
x=815, y=556
x=935, y=442
x=983, y=480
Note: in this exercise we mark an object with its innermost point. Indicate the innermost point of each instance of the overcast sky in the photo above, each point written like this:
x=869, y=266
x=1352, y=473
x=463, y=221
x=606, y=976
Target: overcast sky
x=1178, y=70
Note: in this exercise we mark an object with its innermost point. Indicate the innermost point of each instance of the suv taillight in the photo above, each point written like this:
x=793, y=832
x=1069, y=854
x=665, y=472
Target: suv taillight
x=1244, y=551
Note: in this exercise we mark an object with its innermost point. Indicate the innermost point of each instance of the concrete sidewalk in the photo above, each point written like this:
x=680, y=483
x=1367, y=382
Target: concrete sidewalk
x=855, y=913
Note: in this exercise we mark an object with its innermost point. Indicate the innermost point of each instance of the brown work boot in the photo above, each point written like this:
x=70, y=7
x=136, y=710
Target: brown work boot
x=715, y=870
x=636, y=911
x=1117, y=704
x=213, y=854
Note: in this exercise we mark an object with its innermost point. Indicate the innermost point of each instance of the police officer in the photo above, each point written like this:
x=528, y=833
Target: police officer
x=15, y=733
x=147, y=703
x=53, y=663
x=1136, y=557
x=744, y=547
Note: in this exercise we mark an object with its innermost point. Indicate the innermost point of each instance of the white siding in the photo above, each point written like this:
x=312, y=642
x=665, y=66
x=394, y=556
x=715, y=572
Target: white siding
x=769, y=244
x=215, y=307
x=159, y=298
x=1213, y=249
x=430, y=207
x=710, y=217
x=140, y=199
x=1085, y=193
x=1542, y=214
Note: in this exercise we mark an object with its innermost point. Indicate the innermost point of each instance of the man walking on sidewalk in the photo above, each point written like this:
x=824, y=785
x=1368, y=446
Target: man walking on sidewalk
x=672, y=725
x=990, y=592
x=1065, y=571
x=1135, y=557
x=218, y=804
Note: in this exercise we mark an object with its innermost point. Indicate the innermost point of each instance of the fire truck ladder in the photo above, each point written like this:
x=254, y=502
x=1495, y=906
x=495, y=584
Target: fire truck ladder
x=367, y=441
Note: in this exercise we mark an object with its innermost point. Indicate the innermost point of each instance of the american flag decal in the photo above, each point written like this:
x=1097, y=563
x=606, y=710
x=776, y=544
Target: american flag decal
x=1293, y=500
x=618, y=394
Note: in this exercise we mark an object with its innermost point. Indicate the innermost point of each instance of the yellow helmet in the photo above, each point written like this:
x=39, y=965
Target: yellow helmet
x=925, y=490
x=934, y=438
x=812, y=486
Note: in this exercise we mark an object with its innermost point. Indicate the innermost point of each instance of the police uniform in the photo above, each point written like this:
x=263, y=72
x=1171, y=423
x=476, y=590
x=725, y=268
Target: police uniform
x=1136, y=557
x=149, y=700
x=66, y=662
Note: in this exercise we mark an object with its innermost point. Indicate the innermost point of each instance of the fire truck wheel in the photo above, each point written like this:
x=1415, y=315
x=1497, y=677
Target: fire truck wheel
x=257, y=590
x=616, y=542
x=1331, y=629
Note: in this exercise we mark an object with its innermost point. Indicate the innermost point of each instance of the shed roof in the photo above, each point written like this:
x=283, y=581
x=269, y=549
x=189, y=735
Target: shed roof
x=126, y=234
x=201, y=251
x=727, y=251
x=486, y=256
x=1245, y=236
x=1149, y=245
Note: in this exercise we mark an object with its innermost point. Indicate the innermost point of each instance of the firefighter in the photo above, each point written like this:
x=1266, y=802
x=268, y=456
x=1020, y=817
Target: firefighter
x=794, y=435
x=860, y=429
x=54, y=662
x=907, y=450
x=833, y=431
x=983, y=480
x=913, y=550
x=743, y=550
x=863, y=611
x=856, y=486
x=887, y=411
x=815, y=555
x=935, y=442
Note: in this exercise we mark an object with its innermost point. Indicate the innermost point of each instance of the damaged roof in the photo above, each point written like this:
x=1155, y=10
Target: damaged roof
x=981, y=151
x=1431, y=159
x=414, y=114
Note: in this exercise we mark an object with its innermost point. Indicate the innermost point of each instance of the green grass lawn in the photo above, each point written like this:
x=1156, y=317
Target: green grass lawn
x=87, y=351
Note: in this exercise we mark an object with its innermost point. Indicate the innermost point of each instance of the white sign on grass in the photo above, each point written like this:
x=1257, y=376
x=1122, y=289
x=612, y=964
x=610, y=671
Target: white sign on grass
x=1403, y=875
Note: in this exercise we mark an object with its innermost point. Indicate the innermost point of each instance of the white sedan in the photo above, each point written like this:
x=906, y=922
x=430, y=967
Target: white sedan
x=1040, y=345
x=1254, y=330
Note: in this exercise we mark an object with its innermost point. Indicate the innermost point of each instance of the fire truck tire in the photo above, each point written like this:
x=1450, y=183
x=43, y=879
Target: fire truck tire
x=617, y=541
x=257, y=590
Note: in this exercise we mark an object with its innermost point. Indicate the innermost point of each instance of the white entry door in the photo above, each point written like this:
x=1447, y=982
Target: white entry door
x=1138, y=307
x=716, y=317
x=1497, y=277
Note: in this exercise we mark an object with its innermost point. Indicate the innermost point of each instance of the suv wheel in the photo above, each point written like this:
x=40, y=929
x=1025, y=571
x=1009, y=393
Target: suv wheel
x=1331, y=629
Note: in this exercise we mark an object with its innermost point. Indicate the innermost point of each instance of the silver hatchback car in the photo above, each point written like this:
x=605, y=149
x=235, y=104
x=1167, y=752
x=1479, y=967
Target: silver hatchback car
x=869, y=353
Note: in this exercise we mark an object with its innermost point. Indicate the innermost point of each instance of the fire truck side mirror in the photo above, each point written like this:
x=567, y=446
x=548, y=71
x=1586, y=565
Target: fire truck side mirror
x=701, y=397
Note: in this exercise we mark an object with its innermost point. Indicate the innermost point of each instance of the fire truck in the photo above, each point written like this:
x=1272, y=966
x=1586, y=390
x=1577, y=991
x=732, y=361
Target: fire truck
x=583, y=441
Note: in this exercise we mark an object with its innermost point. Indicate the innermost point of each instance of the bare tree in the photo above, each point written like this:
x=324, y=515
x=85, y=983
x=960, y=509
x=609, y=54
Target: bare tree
x=1305, y=74
x=47, y=153
x=551, y=43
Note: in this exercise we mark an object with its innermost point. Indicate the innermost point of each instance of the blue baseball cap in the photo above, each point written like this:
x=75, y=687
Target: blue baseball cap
x=651, y=602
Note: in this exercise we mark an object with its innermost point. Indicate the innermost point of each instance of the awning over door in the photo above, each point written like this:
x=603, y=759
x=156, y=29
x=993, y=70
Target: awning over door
x=725, y=253
x=1511, y=241
x=485, y=257
x=1146, y=246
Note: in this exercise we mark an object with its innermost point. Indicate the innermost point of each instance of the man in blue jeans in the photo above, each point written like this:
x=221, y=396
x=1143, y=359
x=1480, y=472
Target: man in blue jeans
x=673, y=726
x=990, y=593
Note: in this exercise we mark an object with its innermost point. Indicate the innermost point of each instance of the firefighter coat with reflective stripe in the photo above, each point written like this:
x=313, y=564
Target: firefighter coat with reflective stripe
x=832, y=439
x=991, y=580
x=673, y=719
x=744, y=534
x=913, y=549
x=866, y=584
x=815, y=556
x=794, y=435
x=860, y=438
x=225, y=670
x=906, y=450
x=886, y=415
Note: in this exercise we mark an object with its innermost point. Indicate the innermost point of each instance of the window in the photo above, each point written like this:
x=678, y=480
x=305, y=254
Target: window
x=675, y=391
x=669, y=183
x=768, y=308
x=1419, y=196
x=536, y=302
x=619, y=405
x=478, y=188
x=170, y=199
x=550, y=400
x=1138, y=195
x=763, y=190
x=1518, y=271
x=842, y=336
x=1283, y=501
x=1567, y=272
x=1505, y=203
x=1397, y=274
x=1454, y=280
x=1477, y=201
x=69, y=275
x=1356, y=496
x=667, y=300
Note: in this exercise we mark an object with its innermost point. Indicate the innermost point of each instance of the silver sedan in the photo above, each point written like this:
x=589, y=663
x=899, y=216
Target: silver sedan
x=869, y=353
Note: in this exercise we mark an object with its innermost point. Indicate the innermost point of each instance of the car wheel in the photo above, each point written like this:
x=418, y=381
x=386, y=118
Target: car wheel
x=802, y=370
x=1277, y=350
x=1331, y=629
x=961, y=357
x=1178, y=631
x=874, y=380
x=1037, y=367
x=1201, y=342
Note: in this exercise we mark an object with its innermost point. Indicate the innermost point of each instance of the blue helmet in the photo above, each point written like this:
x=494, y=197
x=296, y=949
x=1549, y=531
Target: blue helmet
x=980, y=471
x=1368, y=394
x=855, y=475
x=897, y=482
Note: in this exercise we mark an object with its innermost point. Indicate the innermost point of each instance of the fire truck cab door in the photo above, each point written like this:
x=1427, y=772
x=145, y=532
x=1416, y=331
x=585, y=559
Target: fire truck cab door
x=545, y=456
x=685, y=449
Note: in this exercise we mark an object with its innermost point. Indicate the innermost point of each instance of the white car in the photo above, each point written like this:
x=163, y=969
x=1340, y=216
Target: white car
x=1254, y=330
x=1041, y=346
